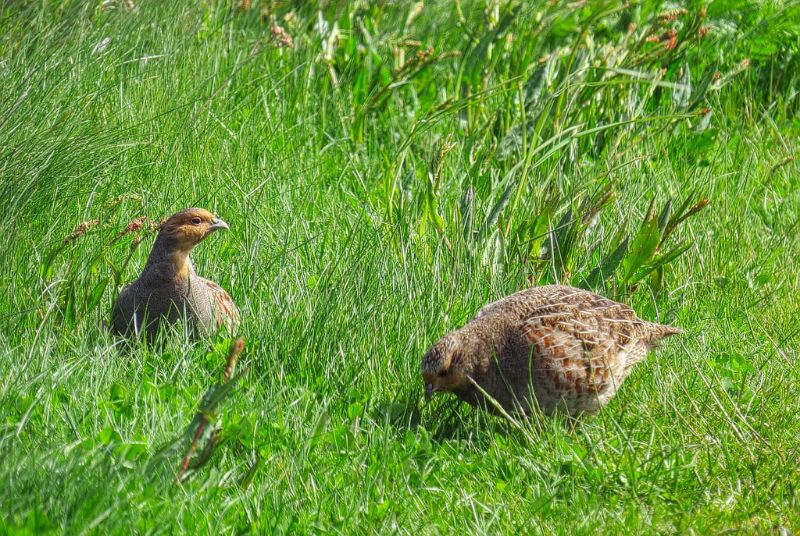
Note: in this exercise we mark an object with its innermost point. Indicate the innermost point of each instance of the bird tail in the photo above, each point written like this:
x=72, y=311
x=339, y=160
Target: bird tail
x=657, y=332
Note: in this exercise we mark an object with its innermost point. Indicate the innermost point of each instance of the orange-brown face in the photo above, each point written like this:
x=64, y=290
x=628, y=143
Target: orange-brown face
x=443, y=368
x=189, y=227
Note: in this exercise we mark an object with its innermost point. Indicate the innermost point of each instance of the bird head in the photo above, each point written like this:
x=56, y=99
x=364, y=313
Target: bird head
x=446, y=366
x=189, y=227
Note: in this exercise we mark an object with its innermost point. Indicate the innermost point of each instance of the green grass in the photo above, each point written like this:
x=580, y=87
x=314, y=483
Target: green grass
x=379, y=193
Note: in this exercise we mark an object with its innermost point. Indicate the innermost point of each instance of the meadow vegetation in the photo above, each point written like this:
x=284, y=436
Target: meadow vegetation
x=386, y=169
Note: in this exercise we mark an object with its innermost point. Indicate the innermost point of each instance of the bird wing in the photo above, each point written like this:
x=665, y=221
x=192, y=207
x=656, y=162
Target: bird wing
x=581, y=346
x=122, y=313
x=225, y=310
x=583, y=339
x=577, y=355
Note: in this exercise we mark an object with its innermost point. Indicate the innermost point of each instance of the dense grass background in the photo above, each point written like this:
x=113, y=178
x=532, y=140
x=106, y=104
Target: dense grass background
x=388, y=171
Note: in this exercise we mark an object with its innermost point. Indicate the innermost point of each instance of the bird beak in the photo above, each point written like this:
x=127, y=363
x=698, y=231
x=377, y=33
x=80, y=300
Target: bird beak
x=217, y=224
x=429, y=390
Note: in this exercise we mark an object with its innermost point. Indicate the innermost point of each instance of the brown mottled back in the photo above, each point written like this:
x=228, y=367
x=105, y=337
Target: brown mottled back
x=555, y=346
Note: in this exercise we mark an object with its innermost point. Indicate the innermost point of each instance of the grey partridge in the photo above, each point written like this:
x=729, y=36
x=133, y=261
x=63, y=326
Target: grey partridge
x=168, y=289
x=555, y=347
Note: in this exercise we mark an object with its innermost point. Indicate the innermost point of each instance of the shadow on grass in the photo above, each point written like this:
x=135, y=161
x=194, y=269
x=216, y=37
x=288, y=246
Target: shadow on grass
x=448, y=419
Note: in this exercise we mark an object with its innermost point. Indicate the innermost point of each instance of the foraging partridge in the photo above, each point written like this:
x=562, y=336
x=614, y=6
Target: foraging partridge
x=555, y=347
x=169, y=290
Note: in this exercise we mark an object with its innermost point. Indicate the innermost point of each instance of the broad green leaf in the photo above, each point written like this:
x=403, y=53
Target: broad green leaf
x=659, y=262
x=607, y=267
x=642, y=248
x=663, y=218
x=96, y=294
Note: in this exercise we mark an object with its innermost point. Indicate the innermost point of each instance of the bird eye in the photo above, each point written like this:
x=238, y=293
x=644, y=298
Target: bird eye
x=196, y=221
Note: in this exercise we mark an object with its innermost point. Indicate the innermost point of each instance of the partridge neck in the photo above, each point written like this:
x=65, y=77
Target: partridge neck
x=168, y=261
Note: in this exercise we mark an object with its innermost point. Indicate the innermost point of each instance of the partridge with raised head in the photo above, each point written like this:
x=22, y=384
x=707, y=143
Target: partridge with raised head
x=555, y=347
x=169, y=290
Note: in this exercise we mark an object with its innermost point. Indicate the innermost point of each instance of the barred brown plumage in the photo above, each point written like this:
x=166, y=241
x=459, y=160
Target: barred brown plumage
x=555, y=347
x=169, y=290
